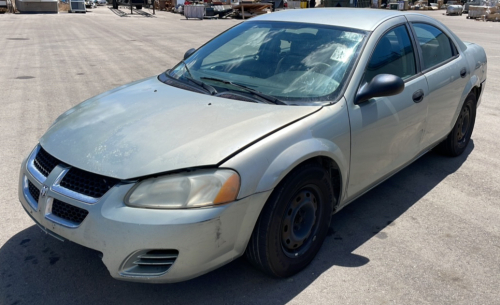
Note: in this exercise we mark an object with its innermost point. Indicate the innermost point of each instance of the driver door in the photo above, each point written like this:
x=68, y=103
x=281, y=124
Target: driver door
x=386, y=132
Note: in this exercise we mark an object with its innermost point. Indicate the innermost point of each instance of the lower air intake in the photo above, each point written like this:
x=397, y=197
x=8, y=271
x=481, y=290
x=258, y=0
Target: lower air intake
x=149, y=262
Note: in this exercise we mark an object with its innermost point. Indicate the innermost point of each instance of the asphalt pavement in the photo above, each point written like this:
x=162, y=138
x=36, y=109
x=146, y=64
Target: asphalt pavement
x=428, y=235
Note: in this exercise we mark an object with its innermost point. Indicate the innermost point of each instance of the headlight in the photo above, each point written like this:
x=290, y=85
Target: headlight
x=186, y=190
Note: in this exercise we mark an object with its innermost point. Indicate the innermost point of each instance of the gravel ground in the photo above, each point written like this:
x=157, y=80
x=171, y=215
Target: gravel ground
x=428, y=235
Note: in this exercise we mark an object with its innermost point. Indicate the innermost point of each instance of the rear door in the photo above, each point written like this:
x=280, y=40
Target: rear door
x=445, y=69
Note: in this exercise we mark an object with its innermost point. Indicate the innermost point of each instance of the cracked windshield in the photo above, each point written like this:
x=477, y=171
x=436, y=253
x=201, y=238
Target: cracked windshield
x=291, y=62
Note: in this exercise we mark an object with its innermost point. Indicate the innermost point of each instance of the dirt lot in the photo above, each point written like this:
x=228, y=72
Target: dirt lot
x=429, y=235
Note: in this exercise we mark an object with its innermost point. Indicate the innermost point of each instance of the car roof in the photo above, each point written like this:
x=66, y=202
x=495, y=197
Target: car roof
x=358, y=18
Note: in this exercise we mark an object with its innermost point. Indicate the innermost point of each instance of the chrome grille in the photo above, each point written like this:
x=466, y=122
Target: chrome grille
x=44, y=162
x=86, y=183
x=150, y=262
x=78, y=182
x=68, y=212
x=34, y=191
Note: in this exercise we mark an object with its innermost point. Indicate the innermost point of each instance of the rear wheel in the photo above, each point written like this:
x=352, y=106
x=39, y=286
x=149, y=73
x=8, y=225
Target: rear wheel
x=115, y=4
x=459, y=137
x=139, y=7
x=293, y=223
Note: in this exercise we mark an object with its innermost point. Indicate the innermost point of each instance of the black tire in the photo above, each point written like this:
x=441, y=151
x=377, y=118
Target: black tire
x=293, y=223
x=115, y=5
x=139, y=7
x=459, y=137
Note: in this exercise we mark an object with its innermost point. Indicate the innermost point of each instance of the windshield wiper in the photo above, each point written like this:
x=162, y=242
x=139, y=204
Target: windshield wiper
x=209, y=89
x=269, y=98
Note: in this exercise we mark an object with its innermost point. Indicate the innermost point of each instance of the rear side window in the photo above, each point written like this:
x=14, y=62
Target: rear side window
x=436, y=46
x=392, y=55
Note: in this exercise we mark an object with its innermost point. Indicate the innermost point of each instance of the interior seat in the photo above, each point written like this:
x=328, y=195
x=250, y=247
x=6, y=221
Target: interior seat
x=269, y=57
x=301, y=46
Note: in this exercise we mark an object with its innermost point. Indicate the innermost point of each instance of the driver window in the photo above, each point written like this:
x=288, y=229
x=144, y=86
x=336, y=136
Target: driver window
x=392, y=55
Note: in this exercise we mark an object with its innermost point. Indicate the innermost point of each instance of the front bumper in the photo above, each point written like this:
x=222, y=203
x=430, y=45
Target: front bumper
x=205, y=238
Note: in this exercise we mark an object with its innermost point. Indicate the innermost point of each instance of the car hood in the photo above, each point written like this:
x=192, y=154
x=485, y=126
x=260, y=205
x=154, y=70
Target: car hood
x=147, y=127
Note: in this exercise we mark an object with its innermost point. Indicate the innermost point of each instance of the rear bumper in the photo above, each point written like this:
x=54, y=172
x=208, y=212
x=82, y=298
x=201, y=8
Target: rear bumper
x=205, y=238
x=480, y=97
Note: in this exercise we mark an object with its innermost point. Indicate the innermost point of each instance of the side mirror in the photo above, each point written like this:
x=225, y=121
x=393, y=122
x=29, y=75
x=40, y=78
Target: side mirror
x=189, y=53
x=380, y=85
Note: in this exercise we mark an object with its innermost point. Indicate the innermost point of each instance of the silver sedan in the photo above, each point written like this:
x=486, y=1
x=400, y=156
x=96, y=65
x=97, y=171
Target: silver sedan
x=253, y=141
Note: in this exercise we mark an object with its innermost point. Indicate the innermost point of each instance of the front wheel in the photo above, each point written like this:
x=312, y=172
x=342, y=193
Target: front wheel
x=115, y=4
x=293, y=223
x=459, y=137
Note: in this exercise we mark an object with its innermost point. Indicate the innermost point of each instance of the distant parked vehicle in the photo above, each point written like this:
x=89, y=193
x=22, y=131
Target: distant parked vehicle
x=137, y=3
x=101, y=2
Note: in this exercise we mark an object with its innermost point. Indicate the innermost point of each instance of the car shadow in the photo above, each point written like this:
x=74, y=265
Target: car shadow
x=36, y=268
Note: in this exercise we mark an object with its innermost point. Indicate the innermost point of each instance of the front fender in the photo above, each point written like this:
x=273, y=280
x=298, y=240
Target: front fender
x=324, y=133
x=296, y=154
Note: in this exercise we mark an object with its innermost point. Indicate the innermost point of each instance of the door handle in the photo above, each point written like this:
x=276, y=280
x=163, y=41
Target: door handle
x=418, y=96
x=463, y=72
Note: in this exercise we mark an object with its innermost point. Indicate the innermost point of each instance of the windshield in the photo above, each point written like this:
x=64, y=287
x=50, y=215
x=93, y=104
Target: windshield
x=297, y=63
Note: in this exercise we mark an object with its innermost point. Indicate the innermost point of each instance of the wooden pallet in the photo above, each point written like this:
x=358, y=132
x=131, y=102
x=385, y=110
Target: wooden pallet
x=249, y=10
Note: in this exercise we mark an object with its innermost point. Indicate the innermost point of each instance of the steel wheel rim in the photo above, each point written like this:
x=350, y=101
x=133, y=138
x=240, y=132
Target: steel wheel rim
x=300, y=221
x=463, y=125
